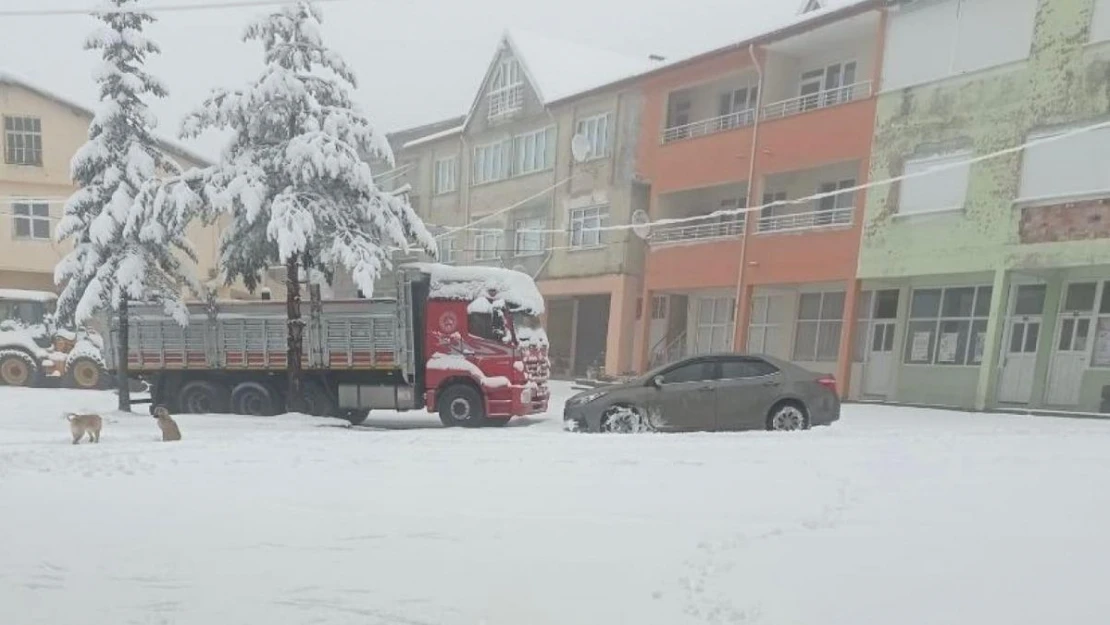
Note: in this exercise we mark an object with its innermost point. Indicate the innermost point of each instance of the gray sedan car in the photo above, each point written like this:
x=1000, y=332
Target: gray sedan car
x=719, y=392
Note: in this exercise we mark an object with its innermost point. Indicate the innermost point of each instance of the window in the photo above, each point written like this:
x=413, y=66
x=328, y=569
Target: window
x=835, y=208
x=532, y=151
x=942, y=190
x=586, y=224
x=948, y=326
x=737, y=101
x=827, y=86
x=769, y=198
x=482, y=325
x=1101, y=356
x=32, y=220
x=691, y=372
x=1077, y=165
x=1100, y=21
x=933, y=40
x=658, y=307
x=596, y=131
x=817, y=333
x=23, y=141
x=445, y=172
x=530, y=239
x=451, y=250
x=506, y=93
x=491, y=161
x=742, y=368
x=716, y=320
x=487, y=244
x=765, y=328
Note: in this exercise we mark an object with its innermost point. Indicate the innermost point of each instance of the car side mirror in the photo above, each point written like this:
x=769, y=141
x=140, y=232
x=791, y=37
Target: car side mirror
x=657, y=381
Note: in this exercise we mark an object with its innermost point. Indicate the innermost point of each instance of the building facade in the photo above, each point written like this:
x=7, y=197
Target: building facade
x=41, y=133
x=765, y=124
x=502, y=186
x=986, y=284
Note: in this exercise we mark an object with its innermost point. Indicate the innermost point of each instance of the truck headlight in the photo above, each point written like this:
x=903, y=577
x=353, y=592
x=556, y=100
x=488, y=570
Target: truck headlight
x=526, y=396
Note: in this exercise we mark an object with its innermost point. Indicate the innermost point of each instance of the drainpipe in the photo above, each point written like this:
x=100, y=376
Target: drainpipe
x=464, y=198
x=554, y=190
x=751, y=201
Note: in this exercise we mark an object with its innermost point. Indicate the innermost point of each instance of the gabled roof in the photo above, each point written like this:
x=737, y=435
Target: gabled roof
x=559, y=69
x=812, y=5
x=168, y=146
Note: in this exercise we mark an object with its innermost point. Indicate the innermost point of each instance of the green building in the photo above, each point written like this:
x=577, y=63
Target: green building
x=987, y=285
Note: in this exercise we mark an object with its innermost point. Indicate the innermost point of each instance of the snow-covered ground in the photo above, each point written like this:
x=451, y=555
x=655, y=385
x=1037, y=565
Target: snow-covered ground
x=894, y=515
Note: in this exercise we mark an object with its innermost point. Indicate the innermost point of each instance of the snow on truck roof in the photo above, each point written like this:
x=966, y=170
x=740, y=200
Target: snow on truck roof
x=470, y=283
x=32, y=296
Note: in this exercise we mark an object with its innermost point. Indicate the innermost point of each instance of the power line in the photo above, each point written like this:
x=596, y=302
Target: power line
x=158, y=8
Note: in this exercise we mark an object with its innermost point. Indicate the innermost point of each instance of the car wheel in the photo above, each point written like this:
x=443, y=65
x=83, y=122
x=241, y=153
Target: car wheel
x=17, y=368
x=254, y=400
x=462, y=405
x=85, y=373
x=788, y=416
x=200, y=397
x=624, y=420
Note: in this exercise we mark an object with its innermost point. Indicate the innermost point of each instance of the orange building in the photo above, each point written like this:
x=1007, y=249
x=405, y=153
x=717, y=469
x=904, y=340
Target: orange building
x=785, y=116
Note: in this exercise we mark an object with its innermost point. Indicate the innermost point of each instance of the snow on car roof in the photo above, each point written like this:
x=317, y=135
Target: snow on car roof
x=33, y=296
x=469, y=283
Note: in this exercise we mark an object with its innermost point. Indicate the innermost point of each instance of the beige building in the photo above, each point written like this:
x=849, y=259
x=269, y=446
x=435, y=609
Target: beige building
x=506, y=171
x=41, y=133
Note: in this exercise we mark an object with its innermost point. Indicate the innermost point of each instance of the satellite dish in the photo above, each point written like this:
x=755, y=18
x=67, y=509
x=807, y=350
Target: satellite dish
x=580, y=148
x=641, y=224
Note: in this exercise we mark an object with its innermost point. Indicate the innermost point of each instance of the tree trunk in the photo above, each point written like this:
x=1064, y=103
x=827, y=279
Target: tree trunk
x=123, y=381
x=294, y=401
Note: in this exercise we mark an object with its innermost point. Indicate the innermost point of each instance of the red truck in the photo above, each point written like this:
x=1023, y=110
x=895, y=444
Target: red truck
x=463, y=342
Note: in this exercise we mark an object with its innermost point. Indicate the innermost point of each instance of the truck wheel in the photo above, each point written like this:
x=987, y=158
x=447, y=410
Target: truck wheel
x=17, y=368
x=357, y=416
x=317, y=401
x=462, y=405
x=84, y=373
x=200, y=397
x=254, y=400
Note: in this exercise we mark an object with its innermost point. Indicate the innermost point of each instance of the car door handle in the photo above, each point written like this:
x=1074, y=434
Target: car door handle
x=769, y=383
x=707, y=387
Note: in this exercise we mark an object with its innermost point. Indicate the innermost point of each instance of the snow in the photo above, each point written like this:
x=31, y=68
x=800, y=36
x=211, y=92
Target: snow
x=471, y=283
x=435, y=136
x=22, y=338
x=456, y=362
x=893, y=515
x=532, y=336
x=559, y=69
x=30, y=296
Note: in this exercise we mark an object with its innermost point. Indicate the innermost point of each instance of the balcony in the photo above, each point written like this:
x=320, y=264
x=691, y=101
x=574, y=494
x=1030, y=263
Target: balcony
x=504, y=102
x=785, y=210
x=813, y=218
x=710, y=126
x=817, y=100
x=707, y=229
x=699, y=209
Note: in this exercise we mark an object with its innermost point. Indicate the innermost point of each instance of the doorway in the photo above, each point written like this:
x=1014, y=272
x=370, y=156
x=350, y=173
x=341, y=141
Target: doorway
x=1023, y=334
x=1072, y=354
x=879, y=362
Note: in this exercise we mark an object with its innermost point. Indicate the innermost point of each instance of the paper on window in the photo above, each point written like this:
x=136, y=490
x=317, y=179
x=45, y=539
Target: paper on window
x=1102, y=344
x=919, y=349
x=980, y=346
x=946, y=348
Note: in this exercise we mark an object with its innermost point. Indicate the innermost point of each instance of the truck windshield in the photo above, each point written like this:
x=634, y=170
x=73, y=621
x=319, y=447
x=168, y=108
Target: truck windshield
x=526, y=321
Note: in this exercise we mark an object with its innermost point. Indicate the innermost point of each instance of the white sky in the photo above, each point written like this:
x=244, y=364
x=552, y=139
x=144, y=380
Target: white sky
x=417, y=60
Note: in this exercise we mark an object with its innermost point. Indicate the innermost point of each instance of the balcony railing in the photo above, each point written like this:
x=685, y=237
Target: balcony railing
x=506, y=101
x=710, y=126
x=698, y=230
x=809, y=220
x=821, y=99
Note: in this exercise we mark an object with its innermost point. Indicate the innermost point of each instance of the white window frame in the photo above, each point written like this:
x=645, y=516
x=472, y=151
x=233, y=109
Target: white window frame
x=826, y=95
x=959, y=177
x=1101, y=324
x=533, y=151
x=506, y=92
x=492, y=161
x=824, y=326
x=976, y=324
x=722, y=325
x=451, y=250
x=529, y=236
x=659, y=304
x=760, y=325
x=35, y=215
x=23, y=145
x=487, y=244
x=597, y=129
x=446, y=175
x=585, y=226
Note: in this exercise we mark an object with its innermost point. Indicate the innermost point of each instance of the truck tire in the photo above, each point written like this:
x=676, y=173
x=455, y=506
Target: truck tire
x=318, y=403
x=202, y=397
x=462, y=405
x=85, y=373
x=254, y=400
x=17, y=368
x=357, y=416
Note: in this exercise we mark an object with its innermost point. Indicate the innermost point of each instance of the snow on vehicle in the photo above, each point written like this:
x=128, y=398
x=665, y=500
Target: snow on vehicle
x=463, y=342
x=33, y=350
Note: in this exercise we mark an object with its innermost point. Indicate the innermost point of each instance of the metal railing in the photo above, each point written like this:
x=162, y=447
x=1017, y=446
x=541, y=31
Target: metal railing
x=700, y=230
x=664, y=352
x=821, y=99
x=506, y=101
x=809, y=220
x=709, y=126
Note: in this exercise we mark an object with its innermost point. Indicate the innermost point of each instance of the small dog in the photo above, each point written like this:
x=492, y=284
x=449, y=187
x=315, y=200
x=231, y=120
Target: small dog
x=81, y=424
x=170, y=431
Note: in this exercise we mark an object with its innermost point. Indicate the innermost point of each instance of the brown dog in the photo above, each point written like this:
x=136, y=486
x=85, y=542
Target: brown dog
x=81, y=424
x=170, y=431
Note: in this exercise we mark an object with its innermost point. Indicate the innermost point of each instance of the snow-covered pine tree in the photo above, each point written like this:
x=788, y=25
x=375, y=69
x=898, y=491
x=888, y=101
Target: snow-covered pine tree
x=119, y=251
x=295, y=177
